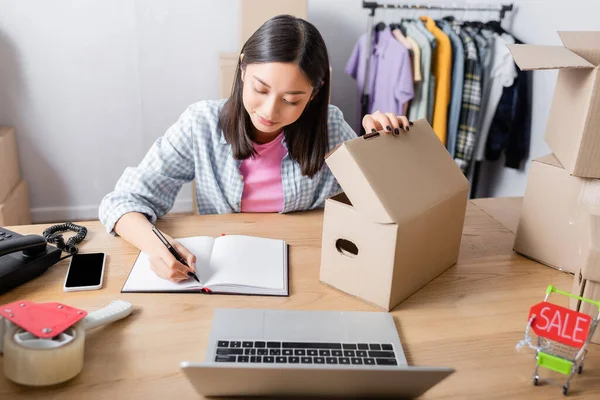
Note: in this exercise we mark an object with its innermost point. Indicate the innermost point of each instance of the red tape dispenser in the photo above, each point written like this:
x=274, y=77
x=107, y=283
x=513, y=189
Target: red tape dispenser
x=43, y=343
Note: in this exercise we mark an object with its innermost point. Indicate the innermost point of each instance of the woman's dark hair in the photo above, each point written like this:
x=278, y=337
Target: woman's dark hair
x=286, y=39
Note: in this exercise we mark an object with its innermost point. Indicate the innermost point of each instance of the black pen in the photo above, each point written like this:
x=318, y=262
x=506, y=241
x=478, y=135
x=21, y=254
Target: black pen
x=174, y=252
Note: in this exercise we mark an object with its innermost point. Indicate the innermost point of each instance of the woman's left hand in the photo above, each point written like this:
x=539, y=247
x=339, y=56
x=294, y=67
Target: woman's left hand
x=388, y=122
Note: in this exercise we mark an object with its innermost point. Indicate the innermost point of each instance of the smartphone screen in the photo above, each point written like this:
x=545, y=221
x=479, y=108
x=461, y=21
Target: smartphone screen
x=85, y=270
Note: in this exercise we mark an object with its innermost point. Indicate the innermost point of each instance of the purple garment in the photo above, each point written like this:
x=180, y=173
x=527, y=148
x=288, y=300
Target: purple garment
x=390, y=75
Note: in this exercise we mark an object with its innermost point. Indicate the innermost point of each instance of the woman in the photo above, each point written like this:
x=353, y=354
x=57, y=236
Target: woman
x=261, y=150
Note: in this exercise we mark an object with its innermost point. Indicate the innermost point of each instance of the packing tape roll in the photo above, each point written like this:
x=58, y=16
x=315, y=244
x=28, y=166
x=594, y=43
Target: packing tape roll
x=43, y=366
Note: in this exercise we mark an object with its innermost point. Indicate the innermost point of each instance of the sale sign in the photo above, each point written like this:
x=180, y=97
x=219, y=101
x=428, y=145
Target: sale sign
x=560, y=324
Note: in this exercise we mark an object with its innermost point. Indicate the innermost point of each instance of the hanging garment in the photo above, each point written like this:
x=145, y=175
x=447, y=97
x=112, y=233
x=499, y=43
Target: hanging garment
x=416, y=59
x=502, y=74
x=471, y=101
x=511, y=127
x=390, y=83
x=418, y=106
x=458, y=70
x=484, y=40
x=400, y=37
x=431, y=86
x=442, y=72
x=397, y=33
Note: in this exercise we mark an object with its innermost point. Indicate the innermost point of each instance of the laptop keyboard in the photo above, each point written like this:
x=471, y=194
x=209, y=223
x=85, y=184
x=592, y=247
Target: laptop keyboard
x=305, y=353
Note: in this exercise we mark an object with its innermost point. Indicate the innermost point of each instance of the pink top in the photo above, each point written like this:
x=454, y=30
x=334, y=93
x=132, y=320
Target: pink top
x=263, y=190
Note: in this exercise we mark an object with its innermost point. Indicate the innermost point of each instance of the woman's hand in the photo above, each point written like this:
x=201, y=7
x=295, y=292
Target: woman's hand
x=167, y=267
x=388, y=122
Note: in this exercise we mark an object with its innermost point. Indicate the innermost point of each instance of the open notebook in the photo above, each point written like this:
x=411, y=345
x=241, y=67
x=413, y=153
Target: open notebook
x=234, y=264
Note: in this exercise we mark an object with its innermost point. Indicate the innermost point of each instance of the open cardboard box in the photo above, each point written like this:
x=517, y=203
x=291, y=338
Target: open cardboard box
x=398, y=224
x=586, y=282
x=573, y=130
x=552, y=225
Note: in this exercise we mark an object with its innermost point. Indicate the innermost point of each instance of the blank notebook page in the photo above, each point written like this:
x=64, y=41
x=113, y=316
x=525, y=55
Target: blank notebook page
x=142, y=278
x=248, y=261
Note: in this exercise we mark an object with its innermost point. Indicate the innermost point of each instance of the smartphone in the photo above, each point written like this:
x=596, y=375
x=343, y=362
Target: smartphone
x=86, y=272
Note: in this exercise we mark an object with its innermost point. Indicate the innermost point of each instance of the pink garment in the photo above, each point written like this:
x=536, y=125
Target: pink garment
x=263, y=190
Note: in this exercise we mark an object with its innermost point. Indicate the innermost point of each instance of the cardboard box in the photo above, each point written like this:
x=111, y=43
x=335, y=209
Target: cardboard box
x=552, y=225
x=254, y=13
x=398, y=224
x=15, y=209
x=586, y=281
x=573, y=130
x=9, y=162
x=589, y=289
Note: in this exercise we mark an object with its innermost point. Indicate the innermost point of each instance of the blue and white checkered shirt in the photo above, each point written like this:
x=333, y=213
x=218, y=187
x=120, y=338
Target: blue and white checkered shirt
x=195, y=148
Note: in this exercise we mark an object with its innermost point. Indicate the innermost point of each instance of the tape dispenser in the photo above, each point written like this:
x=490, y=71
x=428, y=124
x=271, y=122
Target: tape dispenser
x=43, y=343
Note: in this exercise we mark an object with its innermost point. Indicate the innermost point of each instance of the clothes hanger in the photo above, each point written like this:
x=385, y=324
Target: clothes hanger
x=449, y=18
x=380, y=26
x=495, y=26
x=398, y=25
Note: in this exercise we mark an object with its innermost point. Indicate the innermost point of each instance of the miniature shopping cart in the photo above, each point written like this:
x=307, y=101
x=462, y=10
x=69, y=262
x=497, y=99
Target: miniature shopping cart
x=562, y=336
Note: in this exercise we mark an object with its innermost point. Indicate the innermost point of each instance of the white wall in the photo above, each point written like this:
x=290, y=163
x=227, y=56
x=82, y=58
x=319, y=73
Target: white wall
x=90, y=85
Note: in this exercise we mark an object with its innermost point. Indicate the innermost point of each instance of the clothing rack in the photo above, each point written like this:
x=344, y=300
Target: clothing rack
x=372, y=5
x=502, y=9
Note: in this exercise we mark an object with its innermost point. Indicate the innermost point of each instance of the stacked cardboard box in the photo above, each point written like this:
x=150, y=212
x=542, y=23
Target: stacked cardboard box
x=253, y=13
x=563, y=188
x=14, y=195
x=586, y=282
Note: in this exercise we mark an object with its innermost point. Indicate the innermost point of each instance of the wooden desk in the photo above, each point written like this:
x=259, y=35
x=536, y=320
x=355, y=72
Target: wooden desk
x=470, y=317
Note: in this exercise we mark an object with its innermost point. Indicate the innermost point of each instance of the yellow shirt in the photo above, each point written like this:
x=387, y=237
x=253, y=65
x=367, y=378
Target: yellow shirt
x=442, y=73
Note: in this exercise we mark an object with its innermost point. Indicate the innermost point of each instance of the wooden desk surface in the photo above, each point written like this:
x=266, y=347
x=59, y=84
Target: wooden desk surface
x=470, y=317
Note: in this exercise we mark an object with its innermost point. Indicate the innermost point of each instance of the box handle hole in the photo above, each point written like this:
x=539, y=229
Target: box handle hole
x=370, y=135
x=346, y=247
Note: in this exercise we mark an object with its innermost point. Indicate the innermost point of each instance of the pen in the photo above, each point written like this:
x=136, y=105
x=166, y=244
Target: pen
x=174, y=252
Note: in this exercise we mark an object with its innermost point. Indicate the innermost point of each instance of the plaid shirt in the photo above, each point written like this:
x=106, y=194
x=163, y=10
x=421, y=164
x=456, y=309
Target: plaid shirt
x=195, y=148
x=471, y=102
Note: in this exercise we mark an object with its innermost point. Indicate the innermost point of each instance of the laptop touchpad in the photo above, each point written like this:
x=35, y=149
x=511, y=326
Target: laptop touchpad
x=304, y=326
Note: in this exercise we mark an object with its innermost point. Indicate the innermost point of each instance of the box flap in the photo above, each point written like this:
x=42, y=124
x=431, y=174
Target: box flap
x=531, y=57
x=549, y=159
x=584, y=43
x=391, y=178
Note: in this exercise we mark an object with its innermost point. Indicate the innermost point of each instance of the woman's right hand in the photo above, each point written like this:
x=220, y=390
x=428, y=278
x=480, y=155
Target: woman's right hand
x=164, y=264
x=388, y=122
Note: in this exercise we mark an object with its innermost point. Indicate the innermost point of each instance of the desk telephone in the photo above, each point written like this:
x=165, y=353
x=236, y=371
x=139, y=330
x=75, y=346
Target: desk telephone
x=23, y=258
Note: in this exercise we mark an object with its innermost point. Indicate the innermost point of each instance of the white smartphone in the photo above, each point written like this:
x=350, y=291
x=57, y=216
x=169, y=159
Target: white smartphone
x=86, y=272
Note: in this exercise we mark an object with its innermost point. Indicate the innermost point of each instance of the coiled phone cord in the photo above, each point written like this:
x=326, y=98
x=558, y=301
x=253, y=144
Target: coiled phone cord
x=53, y=235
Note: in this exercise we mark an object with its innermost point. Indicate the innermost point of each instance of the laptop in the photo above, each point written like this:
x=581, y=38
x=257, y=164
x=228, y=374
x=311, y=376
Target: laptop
x=260, y=352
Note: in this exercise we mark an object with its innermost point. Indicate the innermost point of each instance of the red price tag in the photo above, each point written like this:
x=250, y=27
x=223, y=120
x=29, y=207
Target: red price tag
x=44, y=320
x=560, y=324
